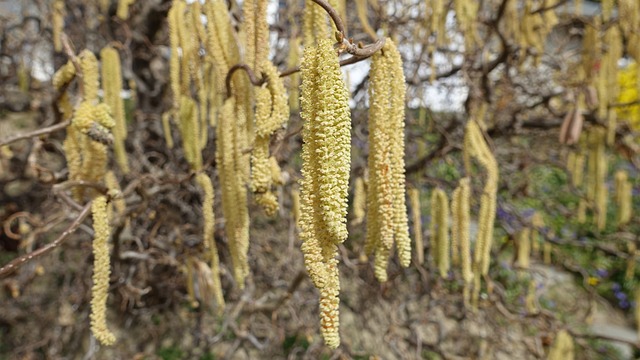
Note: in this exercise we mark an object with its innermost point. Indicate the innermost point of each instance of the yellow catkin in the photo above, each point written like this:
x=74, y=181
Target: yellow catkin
x=123, y=8
x=190, y=279
x=478, y=148
x=190, y=129
x=64, y=75
x=257, y=33
x=234, y=194
x=623, y=197
x=440, y=220
x=294, y=79
x=461, y=218
x=524, y=248
x=325, y=170
x=597, y=190
x=208, y=235
x=315, y=24
x=562, y=348
x=89, y=65
x=272, y=113
x=112, y=86
x=57, y=23
x=387, y=220
x=112, y=184
x=359, y=201
x=295, y=206
x=177, y=8
x=631, y=261
x=276, y=172
x=361, y=10
x=101, y=271
x=414, y=198
x=455, y=236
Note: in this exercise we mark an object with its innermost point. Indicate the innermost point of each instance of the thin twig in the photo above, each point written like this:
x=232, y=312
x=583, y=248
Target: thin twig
x=43, y=131
x=16, y=263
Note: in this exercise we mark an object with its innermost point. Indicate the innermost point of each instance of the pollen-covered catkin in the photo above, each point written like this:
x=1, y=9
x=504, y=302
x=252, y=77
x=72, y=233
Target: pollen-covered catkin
x=359, y=201
x=387, y=220
x=208, y=235
x=623, y=197
x=461, y=221
x=524, y=248
x=57, y=23
x=234, y=193
x=477, y=147
x=414, y=198
x=112, y=86
x=440, y=228
x=326, y=157
x=89, y=65
x=101, y=271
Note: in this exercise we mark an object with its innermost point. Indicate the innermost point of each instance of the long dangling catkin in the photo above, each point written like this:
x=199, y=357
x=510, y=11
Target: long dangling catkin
x=234, y=193
x=256, y=33
x=440, y=220
x=315, y=26
x=524, y=248
x=414, y=198
x=208, y=235
x=177, y=8
x=112, y=86
x=57, y=23
x=461, y=223
x=101, y=271
x=89, y=65
x=325, y=170
x=478, y=148
x=387, y=220
x=597, y=190
x=623, y=197
x=359, y=201
x=455, y=236
x=537, y=223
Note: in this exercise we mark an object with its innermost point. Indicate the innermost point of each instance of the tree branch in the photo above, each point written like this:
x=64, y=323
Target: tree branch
x=35, y=133
x=16, y=263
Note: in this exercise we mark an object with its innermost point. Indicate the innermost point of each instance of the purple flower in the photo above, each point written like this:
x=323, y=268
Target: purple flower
x=621, y=296
x=616, y=287
x=624, y=304
x=602, y=273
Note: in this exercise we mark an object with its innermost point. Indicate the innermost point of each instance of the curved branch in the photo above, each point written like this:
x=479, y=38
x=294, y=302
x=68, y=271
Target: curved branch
x=252, y=77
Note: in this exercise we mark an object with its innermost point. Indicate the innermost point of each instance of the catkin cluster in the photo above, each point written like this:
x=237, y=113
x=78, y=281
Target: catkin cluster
x=326, y=159
x=387, y=221
x=90, y=130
